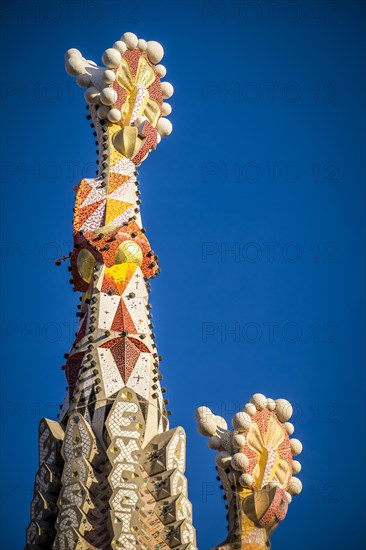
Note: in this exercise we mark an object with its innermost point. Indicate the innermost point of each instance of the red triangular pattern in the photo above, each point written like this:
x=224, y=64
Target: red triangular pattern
x=122, y=320
x=140, y=345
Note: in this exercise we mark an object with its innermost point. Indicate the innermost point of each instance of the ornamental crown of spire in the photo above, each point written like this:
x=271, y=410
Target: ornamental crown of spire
x=127, y=92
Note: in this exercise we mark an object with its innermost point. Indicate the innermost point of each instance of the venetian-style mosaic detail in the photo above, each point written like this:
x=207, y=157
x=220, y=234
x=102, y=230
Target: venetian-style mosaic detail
x=255, y=467
x=111, y=471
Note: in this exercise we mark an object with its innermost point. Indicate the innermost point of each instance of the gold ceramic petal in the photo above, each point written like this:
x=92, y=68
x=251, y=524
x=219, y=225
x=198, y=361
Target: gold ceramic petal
x=145, y=73
x=261, y=470
x=152, y=111
x=283, y=472
x=124, y=76
x=275, y=433
x=256, y=474
x=254, y=438
x=128, y=108
x=127, y=142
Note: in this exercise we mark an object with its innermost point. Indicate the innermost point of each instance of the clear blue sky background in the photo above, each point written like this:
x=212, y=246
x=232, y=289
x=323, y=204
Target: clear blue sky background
x=274, y=91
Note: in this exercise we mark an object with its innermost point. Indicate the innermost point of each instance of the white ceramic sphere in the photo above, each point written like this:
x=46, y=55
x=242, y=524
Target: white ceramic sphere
x=155, y=51
x=250, y=409
x=240, y=462
x=108, y=76
x=246, y=480
x=296, y=466
x=259, y=400
x=284, y=409
x=207, y=425
x=161, y=70
x=91, y=95
x=239, y=441
x=271, y=404
x=166, y=109
x=72, y=51
x=167, y=90
x=202, y=411
x=295, y=486
x=103, y=112
x=114, y=115
x=296, y=446
x=111, y=58
x=289, y=497
x=108, y=96
x=130, y=39
x=75, y=65
x=83, y=80
x=142, y=45
x=214, y=443
x=290, y=428
x=164, y=127
x=241, y=421
x=120, y=46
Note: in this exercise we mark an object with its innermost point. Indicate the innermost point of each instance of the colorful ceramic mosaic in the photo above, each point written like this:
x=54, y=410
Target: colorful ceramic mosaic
x=111, y=472
x=255, y=467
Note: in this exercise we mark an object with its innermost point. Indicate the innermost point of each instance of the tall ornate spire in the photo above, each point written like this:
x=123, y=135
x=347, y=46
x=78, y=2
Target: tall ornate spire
x=111, y=471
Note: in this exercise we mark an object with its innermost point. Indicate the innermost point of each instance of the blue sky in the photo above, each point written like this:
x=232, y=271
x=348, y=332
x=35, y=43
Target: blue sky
x=255, y=206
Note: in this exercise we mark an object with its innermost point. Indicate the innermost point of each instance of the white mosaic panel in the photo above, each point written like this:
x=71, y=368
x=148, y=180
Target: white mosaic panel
x=137, y=285
x=126, y=192
x=109, y=372
x=107, y=309
x=122, y=415
x=137, y=309
x=124, y=166
x=139, y=379
x=85, y=443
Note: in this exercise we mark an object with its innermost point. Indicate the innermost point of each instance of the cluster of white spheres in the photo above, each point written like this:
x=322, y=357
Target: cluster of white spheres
x=281, y=407
x=95, y=93
x=129, y=41
x=236, y=459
